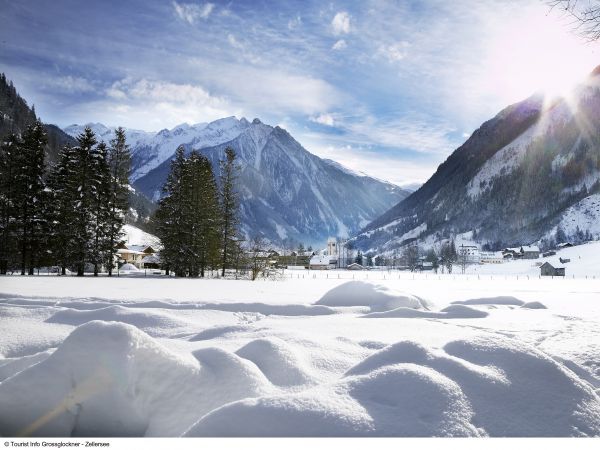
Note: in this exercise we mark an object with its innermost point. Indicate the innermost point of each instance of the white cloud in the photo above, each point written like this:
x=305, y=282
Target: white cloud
x=339, y=45
x=152, y=104
x=341, y=23
x=323, y=119
x=190, y=12
x=393, y=52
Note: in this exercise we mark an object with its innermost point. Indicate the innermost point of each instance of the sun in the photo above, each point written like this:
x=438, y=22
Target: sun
x=537, y=51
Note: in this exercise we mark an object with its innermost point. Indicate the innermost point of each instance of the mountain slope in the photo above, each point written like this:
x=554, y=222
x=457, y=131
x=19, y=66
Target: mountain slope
x=511, y=181
x=286, y=192
x=16, y=115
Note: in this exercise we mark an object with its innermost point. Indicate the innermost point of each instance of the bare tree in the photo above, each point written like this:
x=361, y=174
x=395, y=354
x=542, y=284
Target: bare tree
x=584, y=13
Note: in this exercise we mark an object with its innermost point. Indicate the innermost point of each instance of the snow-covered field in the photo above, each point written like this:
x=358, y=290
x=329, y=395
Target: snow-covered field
x=437, y=356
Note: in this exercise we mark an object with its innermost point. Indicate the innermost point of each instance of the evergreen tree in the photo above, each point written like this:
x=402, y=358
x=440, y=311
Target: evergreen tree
x=9, y=162
x=84, y=178
x=29, y=187
x=169, y=217
x=229, y=207
x=61, y=213
x=119, y=162
x=201, y=214
x=100, y=186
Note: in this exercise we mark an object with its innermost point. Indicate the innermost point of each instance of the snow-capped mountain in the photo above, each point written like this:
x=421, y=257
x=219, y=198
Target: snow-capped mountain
x=286, y=192
x=149, y=150
x=531, y=171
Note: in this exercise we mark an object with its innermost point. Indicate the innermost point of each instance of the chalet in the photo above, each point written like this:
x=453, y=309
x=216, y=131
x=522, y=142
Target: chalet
x=564, y=245
x=530, y=252
x=548, y=270
x=564, y=260
x=511, y=253
x=549, y=253
x=134, y=254
x=355, y=266
x=323, y=262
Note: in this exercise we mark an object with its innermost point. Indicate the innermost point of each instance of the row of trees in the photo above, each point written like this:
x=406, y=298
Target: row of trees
x=197, y=219
x=68, y=215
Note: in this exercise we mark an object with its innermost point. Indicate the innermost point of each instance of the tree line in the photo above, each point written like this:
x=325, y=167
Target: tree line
x=69, y=215
x=197, y=220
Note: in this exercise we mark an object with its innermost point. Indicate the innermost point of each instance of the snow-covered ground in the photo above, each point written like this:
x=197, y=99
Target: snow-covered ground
x=315, y=356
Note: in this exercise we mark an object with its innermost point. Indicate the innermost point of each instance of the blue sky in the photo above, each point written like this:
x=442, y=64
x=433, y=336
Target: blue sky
x=387, y=87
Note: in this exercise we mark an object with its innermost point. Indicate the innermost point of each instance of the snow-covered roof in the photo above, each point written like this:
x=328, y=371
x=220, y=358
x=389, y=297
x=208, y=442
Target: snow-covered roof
x=151, y=259
x=531, y=248
x=322, y=260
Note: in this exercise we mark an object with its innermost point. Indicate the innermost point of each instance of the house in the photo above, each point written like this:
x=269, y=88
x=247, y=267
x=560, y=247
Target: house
x=426, y=265
x=511, y=253
x=355, y=266
x=549, y=253
x=548, y=270
x=564, y=260
x=564, y=245
x=491, y=257
x=323, y=262
x=134, y=254
x=530, y=252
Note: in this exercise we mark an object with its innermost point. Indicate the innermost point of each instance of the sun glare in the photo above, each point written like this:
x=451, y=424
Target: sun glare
x=537, y=52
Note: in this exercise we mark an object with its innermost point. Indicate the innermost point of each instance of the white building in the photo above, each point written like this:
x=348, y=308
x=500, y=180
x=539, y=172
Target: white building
x=323, y=262
x=332, y=246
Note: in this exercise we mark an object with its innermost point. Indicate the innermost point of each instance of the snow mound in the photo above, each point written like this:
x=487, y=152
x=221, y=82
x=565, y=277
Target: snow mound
x=376, y=297
x=450, y=312
x=216, y=332
x=401, y=400
x=128, y=268
x=500, y=300
x=267, y=310
x=534, y=305
x=140, y=319
x=12, y=366
x=105, y=379
x=277, y=360
x=513, y=389
x=111, y=379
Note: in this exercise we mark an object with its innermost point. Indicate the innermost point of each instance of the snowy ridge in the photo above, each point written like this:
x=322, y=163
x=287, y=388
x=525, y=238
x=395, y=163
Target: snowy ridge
x=149, y=149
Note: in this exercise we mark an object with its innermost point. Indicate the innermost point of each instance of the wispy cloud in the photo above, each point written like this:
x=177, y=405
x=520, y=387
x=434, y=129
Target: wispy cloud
x=393, y=52
x=339, y=45
x=191, y=12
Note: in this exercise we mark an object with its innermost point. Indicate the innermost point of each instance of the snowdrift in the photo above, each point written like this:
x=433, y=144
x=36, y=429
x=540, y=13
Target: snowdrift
x=374, y=296
x=450, y=312
x=111, y=379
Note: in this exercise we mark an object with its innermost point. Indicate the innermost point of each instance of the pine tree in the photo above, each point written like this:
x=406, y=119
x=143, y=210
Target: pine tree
x=229, y=207
x=61, y=213
x=8, y=168
x=119, y=162
x=202, y=214
x=169, y=217
x=100, y=185
x=83, y=176
x=29, y=186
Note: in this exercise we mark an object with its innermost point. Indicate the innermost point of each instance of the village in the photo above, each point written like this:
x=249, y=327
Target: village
x=141, y=252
